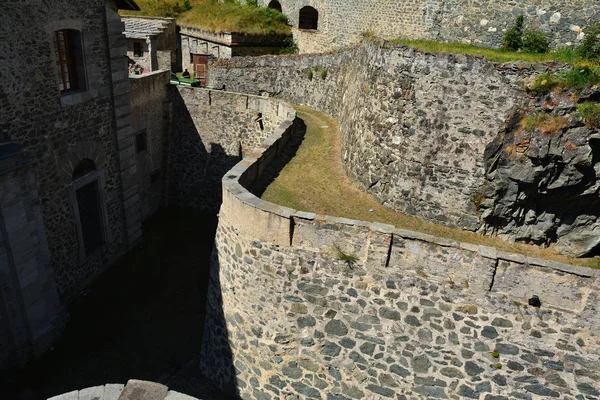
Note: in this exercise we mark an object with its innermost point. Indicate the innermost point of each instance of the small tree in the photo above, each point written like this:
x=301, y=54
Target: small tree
x=513, y=37
x=535, y=41
x=590, y=47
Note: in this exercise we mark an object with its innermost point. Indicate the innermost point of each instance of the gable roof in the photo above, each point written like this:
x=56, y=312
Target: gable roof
x=144, y=27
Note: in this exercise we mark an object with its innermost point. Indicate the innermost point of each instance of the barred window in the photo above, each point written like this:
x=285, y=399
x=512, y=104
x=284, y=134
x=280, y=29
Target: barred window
x=69, y=52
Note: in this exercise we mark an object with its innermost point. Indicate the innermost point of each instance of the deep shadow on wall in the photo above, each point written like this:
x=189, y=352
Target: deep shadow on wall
x=195, y=172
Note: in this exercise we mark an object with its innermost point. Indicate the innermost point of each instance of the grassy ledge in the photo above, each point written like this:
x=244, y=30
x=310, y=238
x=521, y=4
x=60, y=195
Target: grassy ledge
x=566, y=55
x=215, y=16
x=314, y=181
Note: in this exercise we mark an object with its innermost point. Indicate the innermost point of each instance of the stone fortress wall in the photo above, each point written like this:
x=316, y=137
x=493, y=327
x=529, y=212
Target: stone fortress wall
x=343, y=22
x=200, y=152
x=414, y=125
x=415, y=129
x=310, y=306
x=151, y=125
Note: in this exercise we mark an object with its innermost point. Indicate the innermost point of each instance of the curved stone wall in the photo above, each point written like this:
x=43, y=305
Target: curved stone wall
x=211, y=131
x=308, y=306
x=134, y=390
x=420, y=133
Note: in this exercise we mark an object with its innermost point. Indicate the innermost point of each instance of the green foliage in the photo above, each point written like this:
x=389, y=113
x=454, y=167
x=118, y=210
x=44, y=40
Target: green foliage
x=309, y=74
x=495, y=354
x=346, y=257
x=576, y=78
x=289, y=47
x=590, y=47
x=498, y=366
x=589, y=112
x=324, y=74
x=219, y=16
x=513, y=37
x=546, y=124
x=535, y=41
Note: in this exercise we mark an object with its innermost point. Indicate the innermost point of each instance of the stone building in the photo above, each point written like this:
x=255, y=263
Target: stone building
x=324, y=25
x=151, y=42
x=69, y=174
x=199, y=46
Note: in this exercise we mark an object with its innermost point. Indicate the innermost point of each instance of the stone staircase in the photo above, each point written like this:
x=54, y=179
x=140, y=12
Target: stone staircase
x=134, y=390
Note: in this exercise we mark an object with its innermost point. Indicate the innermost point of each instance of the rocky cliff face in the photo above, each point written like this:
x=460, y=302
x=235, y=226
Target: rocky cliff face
x=542, y=175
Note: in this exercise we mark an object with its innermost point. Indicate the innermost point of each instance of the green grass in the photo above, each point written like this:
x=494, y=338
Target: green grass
x=589, y=112
x=547, y=124
x=497, y=55
x=214, y=16
x=315, y=181
x=576, y=78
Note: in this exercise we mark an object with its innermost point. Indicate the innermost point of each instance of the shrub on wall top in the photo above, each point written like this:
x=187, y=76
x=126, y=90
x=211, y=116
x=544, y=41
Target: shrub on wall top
x=590, y=47
x=535, y=41
x=513, y=37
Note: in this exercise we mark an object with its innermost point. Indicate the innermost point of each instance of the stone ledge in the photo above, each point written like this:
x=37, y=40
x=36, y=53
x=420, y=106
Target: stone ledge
x=248, y=167
x=134, y=390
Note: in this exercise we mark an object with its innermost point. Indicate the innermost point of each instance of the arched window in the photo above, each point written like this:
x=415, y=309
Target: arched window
x=309, y=18
x=69, y=59
x=275, y=5
x=83, y=168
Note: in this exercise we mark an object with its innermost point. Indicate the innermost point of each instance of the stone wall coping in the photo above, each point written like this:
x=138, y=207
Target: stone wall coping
x=149, y=74
x=134, y=390
x=520, y=65
x=249, y=165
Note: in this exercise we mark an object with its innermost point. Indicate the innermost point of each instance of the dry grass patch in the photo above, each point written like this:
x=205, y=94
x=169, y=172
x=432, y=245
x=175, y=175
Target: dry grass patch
x=547, y=124
x=315, y=181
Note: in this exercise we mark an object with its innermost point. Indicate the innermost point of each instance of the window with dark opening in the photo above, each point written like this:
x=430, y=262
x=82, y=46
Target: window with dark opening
x=137, y=49
x=309, y=18
x=141, y=143
x=154, y=177
x=90, y=209
x=69, y=52
x=275, y=5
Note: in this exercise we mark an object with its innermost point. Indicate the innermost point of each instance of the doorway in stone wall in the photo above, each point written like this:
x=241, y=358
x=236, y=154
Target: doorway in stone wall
x=200, y=65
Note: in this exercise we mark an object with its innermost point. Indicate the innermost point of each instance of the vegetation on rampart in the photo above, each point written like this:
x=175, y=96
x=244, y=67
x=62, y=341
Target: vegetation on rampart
x=215, y=16
x=566, y=55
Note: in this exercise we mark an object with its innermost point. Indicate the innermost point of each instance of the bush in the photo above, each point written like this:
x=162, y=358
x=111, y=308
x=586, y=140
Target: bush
x=289, y=46
x=589, y=112
x=576, y=78
x=513, y=37
x=580, y=77
x=324, y=74
x=309, y=74
x=535, y=41
x=186, y=5
x=590, y=47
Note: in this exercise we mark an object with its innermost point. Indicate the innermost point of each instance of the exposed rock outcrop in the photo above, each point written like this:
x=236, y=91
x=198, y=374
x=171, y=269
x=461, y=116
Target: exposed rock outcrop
x=542, y=177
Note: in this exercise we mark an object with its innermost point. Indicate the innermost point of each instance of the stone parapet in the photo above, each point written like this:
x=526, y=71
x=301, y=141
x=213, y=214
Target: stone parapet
x=308, y=305
x=134, y=390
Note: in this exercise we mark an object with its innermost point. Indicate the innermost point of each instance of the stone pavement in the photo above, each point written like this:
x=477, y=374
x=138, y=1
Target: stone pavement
x=134, y=390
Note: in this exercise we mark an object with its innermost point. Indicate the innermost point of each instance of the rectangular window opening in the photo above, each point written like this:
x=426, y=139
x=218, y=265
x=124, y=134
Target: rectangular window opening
x=69, y=52
x=137, y=49
x=141, y=143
